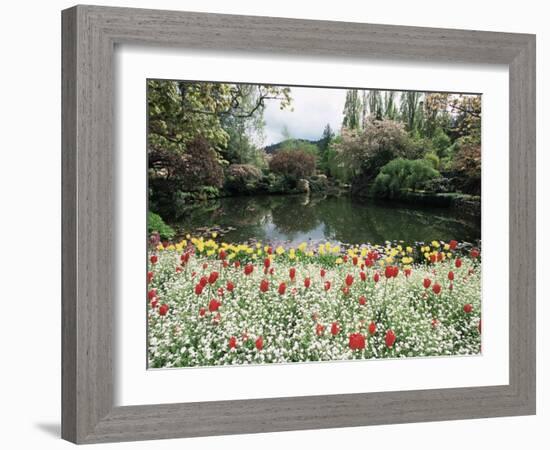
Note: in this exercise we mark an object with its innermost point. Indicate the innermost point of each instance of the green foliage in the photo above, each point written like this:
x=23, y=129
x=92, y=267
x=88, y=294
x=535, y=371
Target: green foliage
x=433, y=159
x=441, y=142
x=352, y=110
x=155, y=224
x=402, y=174
x=242, y=178
x=293, y=164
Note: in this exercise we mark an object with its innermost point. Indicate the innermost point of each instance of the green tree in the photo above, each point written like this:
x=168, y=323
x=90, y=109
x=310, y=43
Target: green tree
x=400, y=174
x=324, y=145
x=411, y=110
x=352, y=110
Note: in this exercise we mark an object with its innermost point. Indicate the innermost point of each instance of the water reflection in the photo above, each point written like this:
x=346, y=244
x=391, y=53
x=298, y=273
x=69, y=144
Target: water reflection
x=296, y=219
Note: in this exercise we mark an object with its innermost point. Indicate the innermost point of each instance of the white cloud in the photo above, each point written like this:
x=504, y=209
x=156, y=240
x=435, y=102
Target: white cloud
x=313, y=109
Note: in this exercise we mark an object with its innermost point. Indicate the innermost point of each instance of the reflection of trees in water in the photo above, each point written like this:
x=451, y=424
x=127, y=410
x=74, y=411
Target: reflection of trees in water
x=295, y=215
x=342, y=219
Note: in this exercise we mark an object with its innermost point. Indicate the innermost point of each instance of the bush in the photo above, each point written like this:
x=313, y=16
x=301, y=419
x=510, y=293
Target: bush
x=402, y=174
x=433, y=159
x=155, y=224
x=242, y=178
x=293, y=164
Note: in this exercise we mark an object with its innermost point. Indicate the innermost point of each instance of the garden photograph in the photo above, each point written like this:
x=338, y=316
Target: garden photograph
x=293, y=224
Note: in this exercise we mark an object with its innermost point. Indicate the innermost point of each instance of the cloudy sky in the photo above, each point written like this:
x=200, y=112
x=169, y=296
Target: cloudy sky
x=313, y=109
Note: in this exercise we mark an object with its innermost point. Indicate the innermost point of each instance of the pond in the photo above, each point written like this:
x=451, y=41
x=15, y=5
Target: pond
x=294, y=219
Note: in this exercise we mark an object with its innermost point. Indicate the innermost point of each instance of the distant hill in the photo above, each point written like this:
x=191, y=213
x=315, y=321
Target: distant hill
x=274, y=148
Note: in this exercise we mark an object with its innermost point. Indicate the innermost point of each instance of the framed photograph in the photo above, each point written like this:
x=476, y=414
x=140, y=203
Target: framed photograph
x=264, y=230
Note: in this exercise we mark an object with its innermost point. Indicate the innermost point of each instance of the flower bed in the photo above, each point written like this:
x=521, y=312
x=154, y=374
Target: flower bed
x=213, y=303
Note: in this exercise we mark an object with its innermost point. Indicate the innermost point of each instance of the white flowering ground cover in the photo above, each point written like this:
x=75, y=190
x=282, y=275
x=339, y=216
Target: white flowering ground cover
x=213, y=303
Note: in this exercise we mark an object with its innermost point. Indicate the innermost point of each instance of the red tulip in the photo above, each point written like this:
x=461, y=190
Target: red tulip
x=323, y=273
x=267, y=263
x=222, y=254
x=271, y=271
x=203, y=281
x=154, y=259
x=259, y=343
x=372, y=328
x=150, y=276
x=474, y=253
x=230, y=286
x=264, y=285
x=198, y=289
x=355, y=260
x=395, y=271
x=202, y=312
x=213, y=277
x=468, y=308
x=152, y=294
x=451, y=276
x=436, y=288
x=213, y=305
x=376, y=277
x=232, y=342
x=356, y=341
x=327, y=285
x=440, y=257
x=458, y=263
x=282, y=288
x=408, y=272
x=319, y=329
x=368, y=262
x=205, y=266
x=248, y=269
x=237, y=264
x=184, y=258
x=269, y=250
x=334, y=328
x=388, y=273
x=362, y=300
x=427, y=282
x=363, y=276
x=390, y=338
x=307, y=282
x=345, y=258
x=345, y=290
x=433, y=258
x=225, y=264
x=292, y=273
x=154, y=302
x=163, y=309
x=453, y=244
x=349, y=280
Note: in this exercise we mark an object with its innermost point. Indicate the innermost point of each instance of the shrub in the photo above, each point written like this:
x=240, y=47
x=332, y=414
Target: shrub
x=433, y=159
x=242, y=178
x=155, y=224
x=293, y=164
x=402, y=174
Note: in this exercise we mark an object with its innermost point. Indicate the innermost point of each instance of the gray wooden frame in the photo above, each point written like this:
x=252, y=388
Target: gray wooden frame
x=89, y=36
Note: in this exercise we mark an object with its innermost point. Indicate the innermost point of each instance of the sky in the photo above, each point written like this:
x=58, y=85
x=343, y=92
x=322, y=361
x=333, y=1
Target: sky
x=313, y=109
